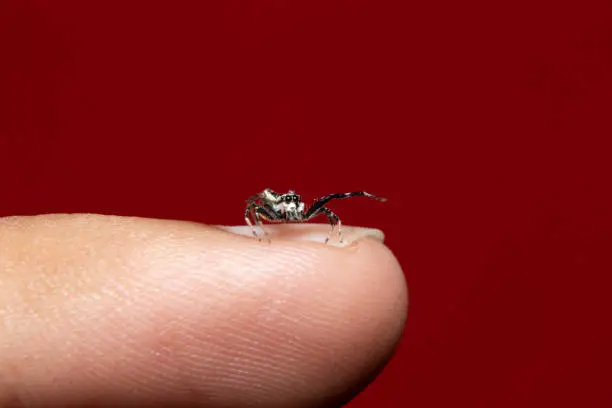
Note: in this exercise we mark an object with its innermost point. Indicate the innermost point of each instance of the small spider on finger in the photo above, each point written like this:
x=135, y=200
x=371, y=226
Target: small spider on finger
x=289, y=208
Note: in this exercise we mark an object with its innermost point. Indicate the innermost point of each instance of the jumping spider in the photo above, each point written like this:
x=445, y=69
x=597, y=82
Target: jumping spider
x=289, y=208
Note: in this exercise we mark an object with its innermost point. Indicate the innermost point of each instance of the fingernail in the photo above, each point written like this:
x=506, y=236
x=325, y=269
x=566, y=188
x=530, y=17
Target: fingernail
x=308, y=232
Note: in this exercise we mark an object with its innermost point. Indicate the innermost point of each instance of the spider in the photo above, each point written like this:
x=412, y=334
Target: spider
x=289, y=208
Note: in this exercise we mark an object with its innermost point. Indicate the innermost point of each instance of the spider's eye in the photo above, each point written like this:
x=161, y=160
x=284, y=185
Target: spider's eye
x=287, y=199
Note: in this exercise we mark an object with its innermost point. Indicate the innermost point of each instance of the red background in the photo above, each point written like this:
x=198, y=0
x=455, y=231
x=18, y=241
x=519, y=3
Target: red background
x=483, y=122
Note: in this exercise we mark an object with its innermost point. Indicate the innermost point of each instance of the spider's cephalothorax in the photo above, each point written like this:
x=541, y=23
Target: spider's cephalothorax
x=274, y=207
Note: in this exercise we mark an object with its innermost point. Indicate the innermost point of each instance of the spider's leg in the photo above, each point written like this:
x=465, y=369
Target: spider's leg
x=253, y=206
x=248, y=212
x=334, y=221
x=320, y=203
x=248, y=215
x=258, y=213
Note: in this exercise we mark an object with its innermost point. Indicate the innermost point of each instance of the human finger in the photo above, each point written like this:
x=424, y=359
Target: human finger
x=101, y=310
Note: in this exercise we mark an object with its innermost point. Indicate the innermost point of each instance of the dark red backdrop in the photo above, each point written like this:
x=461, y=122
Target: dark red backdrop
x=483, y=122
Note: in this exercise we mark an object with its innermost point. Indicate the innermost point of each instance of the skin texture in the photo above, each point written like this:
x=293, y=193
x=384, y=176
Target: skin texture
x=100, y=310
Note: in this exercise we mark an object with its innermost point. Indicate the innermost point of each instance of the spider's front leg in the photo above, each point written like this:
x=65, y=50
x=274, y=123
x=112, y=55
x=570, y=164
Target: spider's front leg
x=334, y=221
x=248, y=215
x=256, y=212
x=250, y=210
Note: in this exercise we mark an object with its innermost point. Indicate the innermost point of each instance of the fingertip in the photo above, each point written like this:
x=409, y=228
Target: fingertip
x=177, y=311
